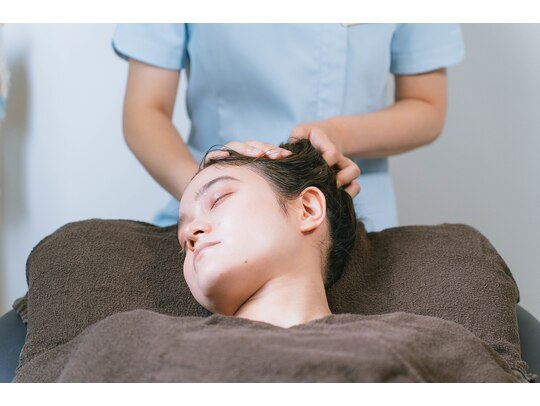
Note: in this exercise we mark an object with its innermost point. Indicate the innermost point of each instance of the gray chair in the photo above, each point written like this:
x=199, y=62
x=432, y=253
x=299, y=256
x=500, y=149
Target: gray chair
x=13, y=334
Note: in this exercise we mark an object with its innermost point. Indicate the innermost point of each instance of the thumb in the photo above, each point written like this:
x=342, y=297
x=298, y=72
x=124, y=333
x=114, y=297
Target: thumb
x=299, y=132
x=319, y=140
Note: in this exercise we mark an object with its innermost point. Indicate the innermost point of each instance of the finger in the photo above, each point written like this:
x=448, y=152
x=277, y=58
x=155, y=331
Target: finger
x=216, y=155
x=332, y=157
x=353, y=189
x=322, y=143
x=298, y=133
x=328, y=151
x=344, y=162
x=254, y=148
x=348, y=170
x=270, y=150
x=244, y=148
x=347, y=174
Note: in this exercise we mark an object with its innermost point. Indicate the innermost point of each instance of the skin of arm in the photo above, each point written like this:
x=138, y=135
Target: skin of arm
x=148, y=128
x=415, y=119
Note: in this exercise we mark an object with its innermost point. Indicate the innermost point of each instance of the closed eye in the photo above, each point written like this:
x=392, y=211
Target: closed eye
x=220, y=198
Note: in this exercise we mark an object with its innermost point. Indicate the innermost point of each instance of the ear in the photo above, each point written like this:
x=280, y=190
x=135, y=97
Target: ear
x=311, y=209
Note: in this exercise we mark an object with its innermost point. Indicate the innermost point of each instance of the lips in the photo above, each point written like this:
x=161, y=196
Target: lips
x=202, y=246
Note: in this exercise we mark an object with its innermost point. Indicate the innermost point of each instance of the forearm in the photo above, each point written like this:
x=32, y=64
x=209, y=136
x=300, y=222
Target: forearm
x=157, y=144
x=401, y=127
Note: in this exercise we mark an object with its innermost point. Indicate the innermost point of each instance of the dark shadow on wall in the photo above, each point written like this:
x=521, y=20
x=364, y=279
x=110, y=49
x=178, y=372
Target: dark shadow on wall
x=13, y=131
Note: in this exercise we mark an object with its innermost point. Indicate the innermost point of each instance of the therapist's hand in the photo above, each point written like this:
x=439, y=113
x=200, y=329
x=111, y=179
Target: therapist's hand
x=319, y=133
x=250, y=148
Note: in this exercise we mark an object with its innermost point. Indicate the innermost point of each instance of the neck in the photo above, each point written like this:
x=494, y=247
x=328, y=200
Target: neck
x=287, y=301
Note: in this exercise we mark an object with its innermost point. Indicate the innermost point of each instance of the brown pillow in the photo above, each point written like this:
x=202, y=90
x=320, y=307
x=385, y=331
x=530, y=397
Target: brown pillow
x=89, y=270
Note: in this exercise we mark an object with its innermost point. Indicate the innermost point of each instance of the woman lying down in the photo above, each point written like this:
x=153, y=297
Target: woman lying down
x=263, y=239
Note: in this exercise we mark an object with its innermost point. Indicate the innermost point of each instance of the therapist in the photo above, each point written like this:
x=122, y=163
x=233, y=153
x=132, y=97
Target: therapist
x=260, y=84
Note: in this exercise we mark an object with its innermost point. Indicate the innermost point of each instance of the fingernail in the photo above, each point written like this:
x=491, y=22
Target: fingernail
x=255, y=150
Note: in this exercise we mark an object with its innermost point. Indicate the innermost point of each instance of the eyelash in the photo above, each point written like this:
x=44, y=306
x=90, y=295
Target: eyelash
x=183, y=249
x=218, y=199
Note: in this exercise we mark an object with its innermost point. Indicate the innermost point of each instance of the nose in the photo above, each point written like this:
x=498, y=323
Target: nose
x=195, y=229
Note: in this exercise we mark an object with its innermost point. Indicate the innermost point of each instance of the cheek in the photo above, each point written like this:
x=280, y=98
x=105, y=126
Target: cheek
x=254, y=229
x=188, y=274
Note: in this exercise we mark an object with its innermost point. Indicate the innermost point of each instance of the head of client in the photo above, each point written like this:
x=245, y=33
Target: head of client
x=263, y=239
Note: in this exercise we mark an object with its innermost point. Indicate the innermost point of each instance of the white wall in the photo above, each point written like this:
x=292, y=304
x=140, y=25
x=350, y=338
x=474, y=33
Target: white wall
x=484, y=170
x=63, y=157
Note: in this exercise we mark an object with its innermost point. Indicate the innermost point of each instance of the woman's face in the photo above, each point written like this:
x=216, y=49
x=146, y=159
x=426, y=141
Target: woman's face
x=236, y=210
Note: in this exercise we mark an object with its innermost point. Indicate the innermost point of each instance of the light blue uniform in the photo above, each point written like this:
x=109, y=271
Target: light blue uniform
x=258, y=81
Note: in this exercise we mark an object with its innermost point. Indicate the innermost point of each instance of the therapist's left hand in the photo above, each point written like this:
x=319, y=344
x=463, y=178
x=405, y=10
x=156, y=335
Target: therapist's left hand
x=320, y=135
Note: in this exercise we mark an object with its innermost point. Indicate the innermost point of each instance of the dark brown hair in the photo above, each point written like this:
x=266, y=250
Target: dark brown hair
x=289, y=176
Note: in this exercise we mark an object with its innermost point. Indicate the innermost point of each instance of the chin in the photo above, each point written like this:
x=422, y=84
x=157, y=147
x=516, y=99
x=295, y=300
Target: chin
x=223, y=288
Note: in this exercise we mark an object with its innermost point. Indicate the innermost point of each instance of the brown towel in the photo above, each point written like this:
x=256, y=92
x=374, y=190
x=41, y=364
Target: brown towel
x=143, y=346
x=89, y=270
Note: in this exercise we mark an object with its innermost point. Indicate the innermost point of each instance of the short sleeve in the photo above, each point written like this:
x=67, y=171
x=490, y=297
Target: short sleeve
x=161, y=45
x=418, y=48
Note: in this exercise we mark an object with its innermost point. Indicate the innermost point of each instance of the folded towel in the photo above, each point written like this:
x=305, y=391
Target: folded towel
x=143, y=346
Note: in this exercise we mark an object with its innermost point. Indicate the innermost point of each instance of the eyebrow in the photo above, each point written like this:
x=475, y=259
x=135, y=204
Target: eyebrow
x=202, y=190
